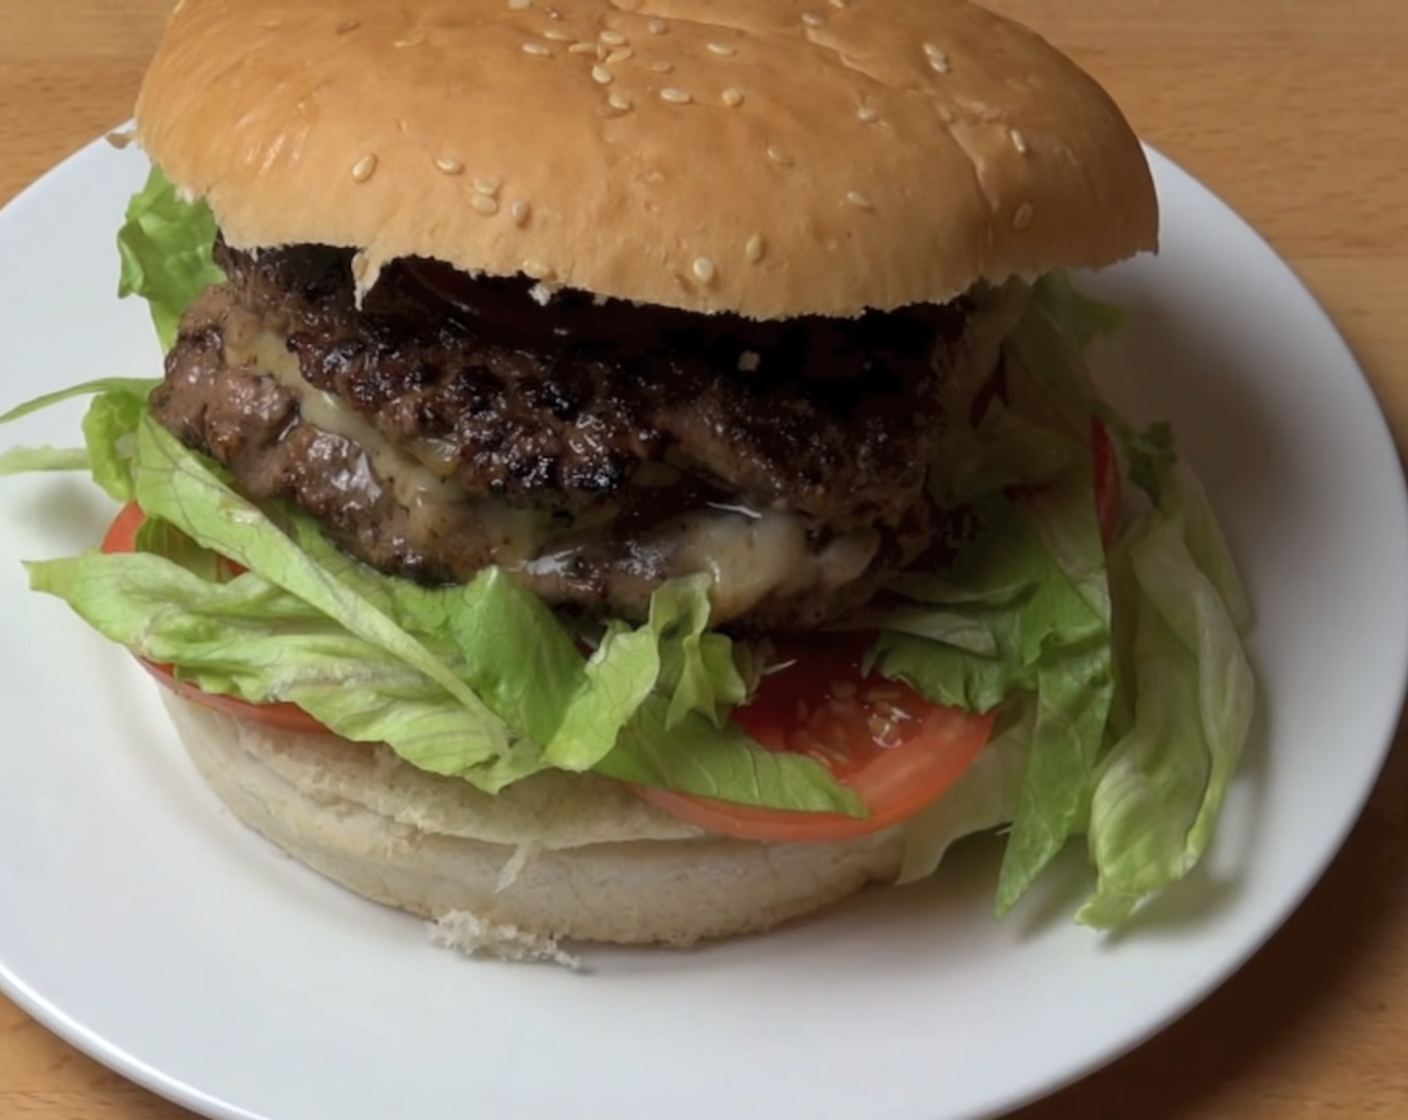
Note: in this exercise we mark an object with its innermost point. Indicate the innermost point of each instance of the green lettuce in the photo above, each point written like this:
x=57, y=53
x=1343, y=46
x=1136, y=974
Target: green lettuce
x=1160, y=788
x=24, y=460
x=984, y=798
x=111, y=421
x=1126, y=691
x=1081, y=318
x=166, y=249
x=1025, y=608
x=481, y=682
x=696, y=756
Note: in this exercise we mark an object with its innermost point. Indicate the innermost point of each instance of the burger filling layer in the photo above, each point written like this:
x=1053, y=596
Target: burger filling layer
x=591, y=448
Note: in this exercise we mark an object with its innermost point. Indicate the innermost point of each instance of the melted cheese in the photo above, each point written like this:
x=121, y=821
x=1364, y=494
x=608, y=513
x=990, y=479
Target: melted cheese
x=755, y=555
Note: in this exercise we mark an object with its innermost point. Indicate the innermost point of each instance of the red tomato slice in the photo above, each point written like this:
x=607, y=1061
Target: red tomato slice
x=1108, y=498
x=895, y=749
x=122, y=537
x=122, y=533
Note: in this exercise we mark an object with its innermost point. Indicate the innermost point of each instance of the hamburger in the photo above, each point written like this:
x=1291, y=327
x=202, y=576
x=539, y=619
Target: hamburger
x=624, y=471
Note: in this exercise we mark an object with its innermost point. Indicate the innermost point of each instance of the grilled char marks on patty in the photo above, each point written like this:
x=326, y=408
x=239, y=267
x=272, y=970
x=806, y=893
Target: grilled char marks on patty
x=593, y=449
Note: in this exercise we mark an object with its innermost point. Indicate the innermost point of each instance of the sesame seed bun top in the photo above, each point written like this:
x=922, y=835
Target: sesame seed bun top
x=769, y=157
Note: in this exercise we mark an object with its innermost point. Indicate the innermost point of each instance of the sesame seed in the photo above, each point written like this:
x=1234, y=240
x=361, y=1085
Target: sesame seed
x=811, y=19
x=484, y=204
x=1023, y=217
x=612, y=38
x=620, y=54
x=703, y=269
x=519, y=5
x=557, y=35
x=858, y=200
x=553, y=13
x=536, y=270
x=537, y=49
x=867, y=114
x=721, y=49
x=662, y=67
x=488, y=187
x=840, y=3
x=1019, y=142
x=937, y=58
x=777, y=155
x=753, y=251
x=362, y=170
x=348, y=25
x=449, y=165
x=582, y=48
x=519, y=210
x=601, y=75
x=677, y=96
x=657, y=26
x=619, y=101
x=415, y=39
x=732, y=97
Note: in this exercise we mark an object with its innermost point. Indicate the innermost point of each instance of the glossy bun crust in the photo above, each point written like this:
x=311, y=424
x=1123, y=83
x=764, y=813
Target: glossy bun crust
x=769, y=157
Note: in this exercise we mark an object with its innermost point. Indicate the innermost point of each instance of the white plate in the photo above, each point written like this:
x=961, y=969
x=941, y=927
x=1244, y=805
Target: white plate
x=144, y=925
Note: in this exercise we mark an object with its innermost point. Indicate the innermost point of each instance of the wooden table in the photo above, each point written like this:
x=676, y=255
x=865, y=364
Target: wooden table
x=1296, y=112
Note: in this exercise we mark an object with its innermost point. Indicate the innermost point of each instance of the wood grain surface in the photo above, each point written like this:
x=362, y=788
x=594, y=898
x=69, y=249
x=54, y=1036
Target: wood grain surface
x=1296, y=112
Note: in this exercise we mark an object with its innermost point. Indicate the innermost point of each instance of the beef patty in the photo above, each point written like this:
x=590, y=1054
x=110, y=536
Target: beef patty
x=593, y=449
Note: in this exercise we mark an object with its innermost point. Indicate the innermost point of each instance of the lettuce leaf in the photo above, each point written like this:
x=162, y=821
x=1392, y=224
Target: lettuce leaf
x=673, y=653
x=108, y=428
x=252, y=639
x=984, y=798
x=1158, y=793
x=24, y=460
x=110, y=434
x=1026, y=607
x=1125, y=687
x=1080, y=317
x=166, y=250
x=696, y=757
x=120, y=385
x=176, y=486
x=481, y=682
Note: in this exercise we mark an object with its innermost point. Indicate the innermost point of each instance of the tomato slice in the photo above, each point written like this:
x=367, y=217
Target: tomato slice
x=1109, y=500
x=896, y=750
x=122, y=533
x=122, y=537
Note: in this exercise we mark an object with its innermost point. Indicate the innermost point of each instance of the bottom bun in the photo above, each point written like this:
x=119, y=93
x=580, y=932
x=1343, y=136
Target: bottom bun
x=557, y=855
